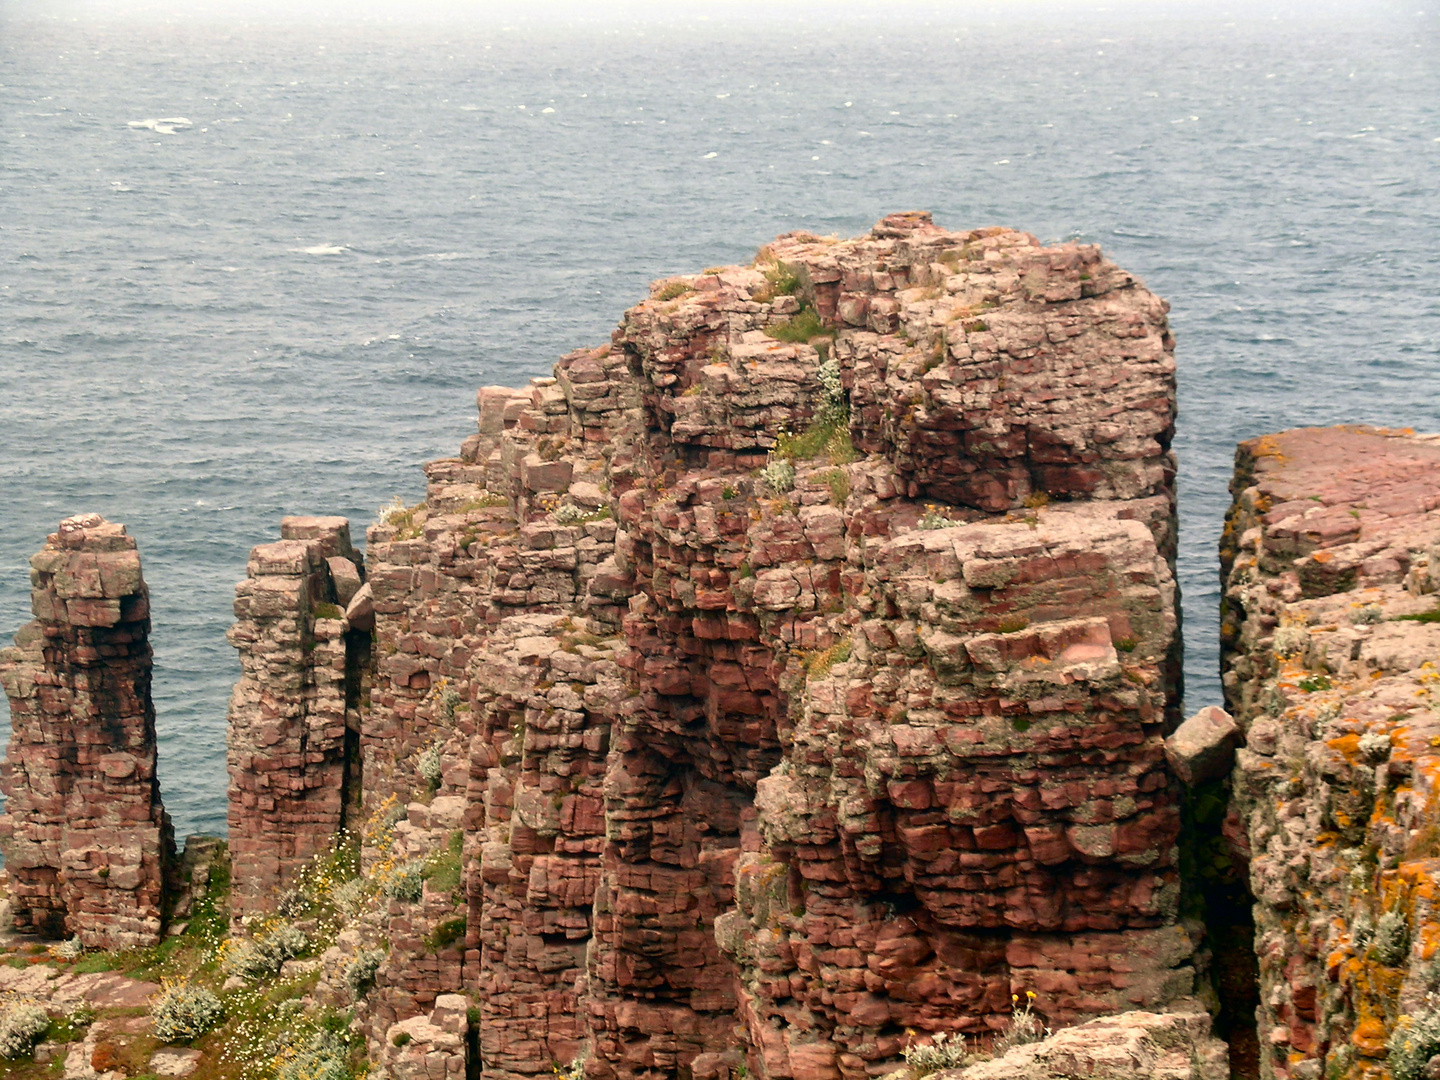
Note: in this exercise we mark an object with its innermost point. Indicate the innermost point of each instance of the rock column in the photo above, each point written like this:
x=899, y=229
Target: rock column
x=293, y=706
x=85, y=837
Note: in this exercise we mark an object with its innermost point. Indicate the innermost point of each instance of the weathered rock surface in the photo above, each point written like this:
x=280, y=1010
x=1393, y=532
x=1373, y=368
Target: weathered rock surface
x=294, y=708
x=1130, y=1046
x=87, y=842
x=1330, y=650
x=1203, y=747
x=801, y=661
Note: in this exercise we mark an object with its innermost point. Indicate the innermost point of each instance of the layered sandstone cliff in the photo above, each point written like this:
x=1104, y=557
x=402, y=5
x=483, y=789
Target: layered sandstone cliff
x=1331, y=639
x=800, y=660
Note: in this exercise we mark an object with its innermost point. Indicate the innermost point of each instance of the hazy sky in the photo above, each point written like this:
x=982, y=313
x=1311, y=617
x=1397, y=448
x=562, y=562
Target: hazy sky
x=894, y=12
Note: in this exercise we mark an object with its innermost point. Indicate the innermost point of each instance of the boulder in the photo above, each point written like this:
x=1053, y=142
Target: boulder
x=1203, y=747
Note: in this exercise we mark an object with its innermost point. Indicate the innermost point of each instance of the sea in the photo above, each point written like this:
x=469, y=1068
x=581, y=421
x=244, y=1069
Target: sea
x=255, y=260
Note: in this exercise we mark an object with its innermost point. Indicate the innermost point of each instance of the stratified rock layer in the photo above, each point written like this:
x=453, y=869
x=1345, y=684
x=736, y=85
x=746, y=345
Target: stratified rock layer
x=1331, y=640
x=86, y=840
x=802, y=658
x=302, y=673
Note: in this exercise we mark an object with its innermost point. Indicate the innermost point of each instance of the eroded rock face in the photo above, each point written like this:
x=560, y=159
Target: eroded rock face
x=302, y=678
x=803, y=658
x=86, y=839
x=1330, y=652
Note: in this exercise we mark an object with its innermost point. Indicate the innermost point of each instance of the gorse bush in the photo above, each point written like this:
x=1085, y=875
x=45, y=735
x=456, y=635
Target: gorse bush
x=22, y=1024
x=182, y=1013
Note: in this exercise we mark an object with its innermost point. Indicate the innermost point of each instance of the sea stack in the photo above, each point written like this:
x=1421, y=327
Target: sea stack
x=86, y=839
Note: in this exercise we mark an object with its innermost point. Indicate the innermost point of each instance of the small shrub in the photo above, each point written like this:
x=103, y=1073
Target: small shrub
x=820, y=663
x=406, y=882
x=360, y=975
x=1127, y=644
x=1367, y=615
x=444, y=868
x=1424, y=616
x=1311, y=683
x=945, y=1050
x=783, y=279
x=728, y=492
x=1374, y=746
x=839, y=482
x=799, y=328
x=1024, y=1027
x=350, y=897
x=570, y=514
x=1392, y=939
x=400, y=1038
x=324, y=1056
x=429, y=765
x=934, y=519
x=329, y=611
x=1290, y=641
x=182, y=1013
x=779, y=476
x=1013, y=624
x=1362, y=930
x=446, y=933
x=574, y=1071
x=256, y=958
x=67, y=950
x=22, y=1025
x=673, y=288
x=1415, y=1040
x=292, y=903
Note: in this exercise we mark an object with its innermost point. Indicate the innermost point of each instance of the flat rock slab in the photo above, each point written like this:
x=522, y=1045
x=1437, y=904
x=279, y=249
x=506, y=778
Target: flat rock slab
x=175, y=1061
x=102, y=989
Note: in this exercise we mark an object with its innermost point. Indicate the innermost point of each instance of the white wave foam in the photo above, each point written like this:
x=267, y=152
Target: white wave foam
x=165, y=125
x=320, y=249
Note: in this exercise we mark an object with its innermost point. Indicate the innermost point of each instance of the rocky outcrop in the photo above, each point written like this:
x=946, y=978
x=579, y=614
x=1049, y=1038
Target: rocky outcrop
x=86, y=839
x=801, y=661
x=1331, y=638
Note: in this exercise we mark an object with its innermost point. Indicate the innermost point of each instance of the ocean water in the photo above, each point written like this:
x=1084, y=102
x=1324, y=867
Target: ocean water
x=285, y=303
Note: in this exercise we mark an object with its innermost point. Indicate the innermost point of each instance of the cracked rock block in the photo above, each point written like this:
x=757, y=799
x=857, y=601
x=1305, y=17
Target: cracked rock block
x=1203, y=747
x=86, y=838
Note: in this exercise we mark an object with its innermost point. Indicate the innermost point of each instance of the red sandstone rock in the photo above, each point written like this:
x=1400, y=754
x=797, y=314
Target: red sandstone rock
x=1329, y=657
x=86, y=839
x=293, y=710
x=776, y=758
